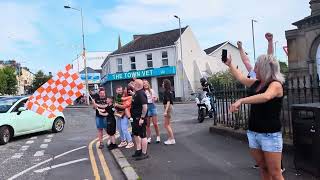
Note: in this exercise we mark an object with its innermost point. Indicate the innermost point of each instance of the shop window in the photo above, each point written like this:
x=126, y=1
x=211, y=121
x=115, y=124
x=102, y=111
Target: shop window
x=165, y=61
x=149, y=61
x=133, y=63
x=119, y=63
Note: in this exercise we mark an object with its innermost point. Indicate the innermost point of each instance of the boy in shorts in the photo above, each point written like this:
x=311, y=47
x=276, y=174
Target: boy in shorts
x=111, y=122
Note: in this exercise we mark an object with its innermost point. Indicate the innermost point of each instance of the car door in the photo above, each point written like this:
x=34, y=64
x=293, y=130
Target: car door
x=27, y=121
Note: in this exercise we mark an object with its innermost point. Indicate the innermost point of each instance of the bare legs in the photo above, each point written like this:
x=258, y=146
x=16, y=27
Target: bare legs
x=269, y=163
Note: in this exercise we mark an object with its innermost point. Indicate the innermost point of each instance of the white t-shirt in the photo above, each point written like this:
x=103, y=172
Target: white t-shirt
x=151, y=95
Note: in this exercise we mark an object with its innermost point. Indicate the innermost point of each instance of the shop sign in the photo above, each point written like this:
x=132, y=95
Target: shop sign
x=163, y=71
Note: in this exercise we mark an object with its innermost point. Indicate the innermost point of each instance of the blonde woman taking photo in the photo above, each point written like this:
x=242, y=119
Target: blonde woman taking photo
x=266, y=94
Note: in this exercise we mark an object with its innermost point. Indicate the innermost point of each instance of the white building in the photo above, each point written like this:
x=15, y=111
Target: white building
x=94, y=62
x=214, y=61
x=157, y=56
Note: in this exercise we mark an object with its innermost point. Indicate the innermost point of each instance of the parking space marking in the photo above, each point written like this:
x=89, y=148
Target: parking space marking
x=60, y=165
x=17, y=156
x=47, y=140
x=24, y=148
x=50, y=136
x=39, y=153
x=44, y=146
x=29, y=142
x=34, y=138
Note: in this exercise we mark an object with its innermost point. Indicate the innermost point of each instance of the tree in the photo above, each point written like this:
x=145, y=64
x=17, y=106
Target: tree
x=283, y=67
x=11, y=79
x=39, y=79
x=220, y=79
x=8, y=81
x=3, y=82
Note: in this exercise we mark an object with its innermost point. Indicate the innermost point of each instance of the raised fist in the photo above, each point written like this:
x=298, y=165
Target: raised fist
x=269, y=36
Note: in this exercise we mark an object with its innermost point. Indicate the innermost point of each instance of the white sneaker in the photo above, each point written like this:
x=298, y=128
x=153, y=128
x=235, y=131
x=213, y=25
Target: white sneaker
x=158, y=139
x=122, y=144
x=130, y=145
x=170, y=142
x=149, y=140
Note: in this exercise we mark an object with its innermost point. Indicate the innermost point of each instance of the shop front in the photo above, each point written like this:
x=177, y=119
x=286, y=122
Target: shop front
x=154, y=75
x=93, y=80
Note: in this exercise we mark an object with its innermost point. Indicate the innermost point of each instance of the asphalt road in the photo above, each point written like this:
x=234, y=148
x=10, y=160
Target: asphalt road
x=68, y=155
x=199, y=154
x=58, y=156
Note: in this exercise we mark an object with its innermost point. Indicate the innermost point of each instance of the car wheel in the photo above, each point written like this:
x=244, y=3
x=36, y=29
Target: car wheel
x=58, y=125
x=5, y=135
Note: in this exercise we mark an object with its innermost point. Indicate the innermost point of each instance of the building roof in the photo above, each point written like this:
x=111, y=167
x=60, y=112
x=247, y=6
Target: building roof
x=309, y=21
x=89, y=70
x=150, y=41
x=213, y=48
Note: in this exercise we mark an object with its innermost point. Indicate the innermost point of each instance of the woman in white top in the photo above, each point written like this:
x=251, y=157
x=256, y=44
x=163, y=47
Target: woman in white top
x=152, y=111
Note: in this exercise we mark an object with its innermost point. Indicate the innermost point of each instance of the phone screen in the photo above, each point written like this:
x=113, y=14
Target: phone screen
x=224, y=55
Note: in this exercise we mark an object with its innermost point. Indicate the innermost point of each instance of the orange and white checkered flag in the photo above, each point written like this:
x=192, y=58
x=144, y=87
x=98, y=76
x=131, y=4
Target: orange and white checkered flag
x=56, y=94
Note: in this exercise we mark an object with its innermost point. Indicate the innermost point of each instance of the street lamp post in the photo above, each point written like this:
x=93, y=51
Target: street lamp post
x=254, y=46
x=275, y=49
x=83, y=53
x=183, y=93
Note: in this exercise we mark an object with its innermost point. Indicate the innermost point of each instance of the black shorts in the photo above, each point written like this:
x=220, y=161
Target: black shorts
x=111, y=126
x=139, y=130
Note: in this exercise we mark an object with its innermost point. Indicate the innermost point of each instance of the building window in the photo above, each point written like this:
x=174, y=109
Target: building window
x=149, y=61
x=133, y=63
x=119, y=63
x=107, y=69
x=165, y=58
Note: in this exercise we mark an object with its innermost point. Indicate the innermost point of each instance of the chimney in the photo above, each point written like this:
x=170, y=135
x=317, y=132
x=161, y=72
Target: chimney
x=315, y=7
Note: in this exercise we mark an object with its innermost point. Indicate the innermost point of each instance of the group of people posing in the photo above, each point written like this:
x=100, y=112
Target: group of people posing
x=136, y=104
x=133, y=105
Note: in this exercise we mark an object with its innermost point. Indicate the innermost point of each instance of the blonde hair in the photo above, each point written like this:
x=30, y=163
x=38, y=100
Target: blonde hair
x=268, y=69
x=149, y=89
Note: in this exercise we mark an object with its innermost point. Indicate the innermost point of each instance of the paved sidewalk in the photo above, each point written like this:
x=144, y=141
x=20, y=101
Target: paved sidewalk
x=201, y=155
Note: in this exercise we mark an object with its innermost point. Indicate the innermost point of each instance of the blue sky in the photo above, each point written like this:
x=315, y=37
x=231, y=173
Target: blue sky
x=43, y=35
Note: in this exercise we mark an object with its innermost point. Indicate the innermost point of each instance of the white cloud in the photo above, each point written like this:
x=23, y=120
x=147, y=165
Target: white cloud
x=18, y=26
x=212, y=21
x=146, y=15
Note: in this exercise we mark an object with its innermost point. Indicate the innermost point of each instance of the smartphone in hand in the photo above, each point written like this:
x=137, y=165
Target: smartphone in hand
x=224, y=55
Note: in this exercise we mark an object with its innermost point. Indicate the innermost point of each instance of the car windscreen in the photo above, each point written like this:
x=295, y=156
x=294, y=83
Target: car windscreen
x=7, y=103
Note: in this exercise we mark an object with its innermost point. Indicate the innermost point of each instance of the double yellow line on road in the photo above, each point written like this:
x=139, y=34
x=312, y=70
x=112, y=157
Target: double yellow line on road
x=103, y=163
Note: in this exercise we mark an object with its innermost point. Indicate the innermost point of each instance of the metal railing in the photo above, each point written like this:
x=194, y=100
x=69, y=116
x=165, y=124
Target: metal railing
x=296, y=91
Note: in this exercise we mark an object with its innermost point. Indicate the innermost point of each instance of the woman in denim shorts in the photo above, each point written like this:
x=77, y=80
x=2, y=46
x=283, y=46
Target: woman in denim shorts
x=152, y=111
x=265, y=97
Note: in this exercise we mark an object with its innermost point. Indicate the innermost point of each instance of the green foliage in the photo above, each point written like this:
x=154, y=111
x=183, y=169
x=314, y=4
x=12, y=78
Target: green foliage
x=8, y=81
x=3, y=82
x=220, y=79
x=39, y=79
x=283, y=67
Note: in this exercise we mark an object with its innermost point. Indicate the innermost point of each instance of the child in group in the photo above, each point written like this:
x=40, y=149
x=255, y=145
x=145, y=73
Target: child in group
x=126, y=102
x=111, y=122
x=119, y=111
